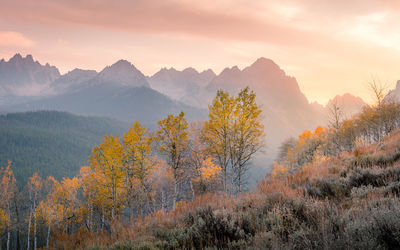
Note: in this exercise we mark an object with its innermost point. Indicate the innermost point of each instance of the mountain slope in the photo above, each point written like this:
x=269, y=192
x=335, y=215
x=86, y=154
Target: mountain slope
x=72, y=80
x=119, y=102
x=51, y=143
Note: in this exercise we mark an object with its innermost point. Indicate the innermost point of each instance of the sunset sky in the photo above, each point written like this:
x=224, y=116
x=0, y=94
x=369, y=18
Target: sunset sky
x=331, y=47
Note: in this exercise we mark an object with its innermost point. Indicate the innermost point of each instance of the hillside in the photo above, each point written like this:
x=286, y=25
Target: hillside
x=345, y=202
x=51, y=143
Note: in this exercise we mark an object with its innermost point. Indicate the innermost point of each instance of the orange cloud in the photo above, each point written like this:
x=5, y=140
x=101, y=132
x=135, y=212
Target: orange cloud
x=14, y=40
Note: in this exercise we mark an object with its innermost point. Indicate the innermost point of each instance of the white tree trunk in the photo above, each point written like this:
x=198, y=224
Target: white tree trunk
x=175, y=192
x=29, y=228
x=48, y=232
x=34, y=227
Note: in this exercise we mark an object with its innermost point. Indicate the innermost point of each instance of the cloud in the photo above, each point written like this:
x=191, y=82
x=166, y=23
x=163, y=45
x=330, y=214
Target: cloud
x=227, y=20
x=14, y=39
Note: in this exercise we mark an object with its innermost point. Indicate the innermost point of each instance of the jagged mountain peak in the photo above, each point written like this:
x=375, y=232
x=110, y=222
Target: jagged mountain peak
x=16, y=57
x=122, y=73
x=22, y=76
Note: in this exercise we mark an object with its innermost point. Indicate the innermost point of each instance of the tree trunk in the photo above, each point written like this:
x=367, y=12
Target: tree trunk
x=239, y=179
x=102, y=218
x=191, y=188
x=114, y=198
x=48, y=233
x=29, y=228
x=163, y=201
x=225, y=186
x=91, y=218
x=17, y=215
x=174, y=199
x=34, y=227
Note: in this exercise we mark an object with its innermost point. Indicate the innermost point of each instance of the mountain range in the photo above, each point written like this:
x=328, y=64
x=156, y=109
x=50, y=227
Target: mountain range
x=123, y=92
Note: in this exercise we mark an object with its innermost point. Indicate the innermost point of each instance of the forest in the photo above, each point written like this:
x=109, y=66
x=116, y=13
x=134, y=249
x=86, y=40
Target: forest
x=183, y=186
x=51, y=142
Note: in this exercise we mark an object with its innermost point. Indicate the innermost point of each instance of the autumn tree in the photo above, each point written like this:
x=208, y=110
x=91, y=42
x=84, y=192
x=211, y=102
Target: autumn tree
x=217, y=131
x=204, y=176
x=309, y=147
x=7, y=192
x=234, y=133
x=93, y=185
x=138, y=164
x=247, y=135
x=107, y=159
x=172, y=141
x=60, y=208
x=34, y=187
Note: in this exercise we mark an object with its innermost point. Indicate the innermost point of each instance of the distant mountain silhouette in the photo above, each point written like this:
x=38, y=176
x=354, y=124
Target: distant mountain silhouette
x=119, y=91
x=347, y=103
x=22, y=76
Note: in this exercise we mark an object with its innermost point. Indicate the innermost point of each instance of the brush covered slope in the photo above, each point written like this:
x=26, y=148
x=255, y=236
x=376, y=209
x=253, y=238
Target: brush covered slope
x=344, y=202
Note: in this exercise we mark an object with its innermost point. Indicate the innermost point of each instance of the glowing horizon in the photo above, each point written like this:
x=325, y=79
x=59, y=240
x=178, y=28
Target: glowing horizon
x=329, y=47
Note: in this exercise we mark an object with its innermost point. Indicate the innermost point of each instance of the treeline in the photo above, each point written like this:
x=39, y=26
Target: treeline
x=372, y=124
x=139, y=173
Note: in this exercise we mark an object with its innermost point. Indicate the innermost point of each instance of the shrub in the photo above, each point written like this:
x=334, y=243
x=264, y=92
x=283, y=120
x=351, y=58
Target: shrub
x=375, y=177
x=206, y=228
x=138, y=245
x=332, y=188
x=374, y=227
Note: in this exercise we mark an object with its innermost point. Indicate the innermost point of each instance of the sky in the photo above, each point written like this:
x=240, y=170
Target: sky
x=331, y=47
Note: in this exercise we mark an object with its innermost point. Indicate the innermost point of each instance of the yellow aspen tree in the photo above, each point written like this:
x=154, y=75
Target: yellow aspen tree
x=137, y=142
x=107, y=159
x=48, y=208
x=34, y=187
x=90, y=181
x=7, y=189
x=217, y=130
x=172, y=139
x=247, y=134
